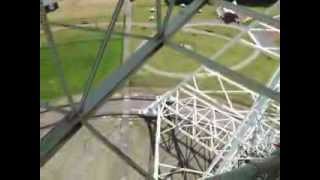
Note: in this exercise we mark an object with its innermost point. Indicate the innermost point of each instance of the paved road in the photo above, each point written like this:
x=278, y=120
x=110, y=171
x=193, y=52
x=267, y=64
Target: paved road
x=264, y=38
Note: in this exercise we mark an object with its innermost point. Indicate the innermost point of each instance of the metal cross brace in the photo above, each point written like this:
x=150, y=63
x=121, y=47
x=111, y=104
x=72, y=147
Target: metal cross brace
x=55, y=139
x=233, y=75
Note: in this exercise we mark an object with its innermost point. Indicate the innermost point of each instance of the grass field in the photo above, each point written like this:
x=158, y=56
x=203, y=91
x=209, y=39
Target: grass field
x=84, y=157
x=226, y=31
x=76, y=11
x=77, y=50
x=204, y=45
x=82, y=47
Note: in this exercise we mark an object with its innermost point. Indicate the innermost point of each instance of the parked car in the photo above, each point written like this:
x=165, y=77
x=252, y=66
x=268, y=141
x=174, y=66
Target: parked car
x=50, y=5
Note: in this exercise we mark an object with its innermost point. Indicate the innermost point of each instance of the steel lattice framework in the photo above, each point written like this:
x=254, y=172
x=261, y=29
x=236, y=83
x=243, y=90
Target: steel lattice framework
x=199, y=128
x=216, y=126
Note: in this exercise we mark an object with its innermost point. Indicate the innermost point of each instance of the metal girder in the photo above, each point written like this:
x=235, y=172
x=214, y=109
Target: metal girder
x=56, y=57
x=168, y=14
x=159, y=16
x=48, y=107
x=232, y=75
x=56, y=138
x=140, y=56
x=257, y=111
x=53, y=140
x=269, y=166
x=101, y=52
x=222, y=132
x=116, y=150
x=73, y=26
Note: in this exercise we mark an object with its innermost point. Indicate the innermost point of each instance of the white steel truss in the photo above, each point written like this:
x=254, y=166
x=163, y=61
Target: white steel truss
x=209, y=124
x=206, y=125
x=211, y=118
x=259, y=130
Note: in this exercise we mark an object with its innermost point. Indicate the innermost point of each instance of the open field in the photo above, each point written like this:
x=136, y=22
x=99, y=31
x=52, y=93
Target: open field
x=77, y=50
x=226, y=31
x=84, y=157
x=82, y=46
x=76, y=11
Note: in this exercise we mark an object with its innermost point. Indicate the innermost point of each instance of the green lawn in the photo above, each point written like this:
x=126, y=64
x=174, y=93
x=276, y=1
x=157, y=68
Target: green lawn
x=83, y=157
x=103, y=12
x=205, y=45
x=77, y=51
x=261, y=69
x=226, y=31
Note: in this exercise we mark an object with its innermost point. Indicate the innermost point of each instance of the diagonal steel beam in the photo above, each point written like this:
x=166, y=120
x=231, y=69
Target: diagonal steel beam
x=116, y=150
x=232, y=75
x=140, y=56
x=168, y=15
x=159, y=16
x=55, y=139
x=47, y=107
x=56, y=57
x=259, y=107
x=93, y=29
x=253, y=169
x=101, y=52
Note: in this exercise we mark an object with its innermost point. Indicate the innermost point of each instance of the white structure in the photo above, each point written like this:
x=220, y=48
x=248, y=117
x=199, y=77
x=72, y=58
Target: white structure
x=152, y=9
x=151, y=18
x=203, y=129
x=210, y=119
x=182, y=5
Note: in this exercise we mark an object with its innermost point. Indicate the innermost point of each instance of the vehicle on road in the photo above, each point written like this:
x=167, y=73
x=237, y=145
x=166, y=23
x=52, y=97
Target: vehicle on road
x=228, y=16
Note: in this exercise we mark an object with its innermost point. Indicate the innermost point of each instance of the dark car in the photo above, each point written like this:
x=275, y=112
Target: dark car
x=229, y=17
x=50, y=6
